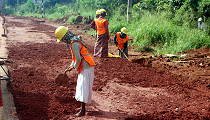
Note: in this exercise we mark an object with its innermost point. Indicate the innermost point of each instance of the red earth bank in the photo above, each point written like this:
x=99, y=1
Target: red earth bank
x=154, y=93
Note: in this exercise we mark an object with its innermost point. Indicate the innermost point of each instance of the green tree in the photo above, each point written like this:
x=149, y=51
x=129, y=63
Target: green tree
x=11, y=2
x=28, y=7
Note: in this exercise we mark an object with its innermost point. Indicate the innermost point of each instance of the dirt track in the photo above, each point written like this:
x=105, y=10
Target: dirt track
x=142, y=89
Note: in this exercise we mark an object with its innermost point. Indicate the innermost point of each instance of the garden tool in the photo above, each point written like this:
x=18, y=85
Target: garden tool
x=123, y=53
x=62, y=78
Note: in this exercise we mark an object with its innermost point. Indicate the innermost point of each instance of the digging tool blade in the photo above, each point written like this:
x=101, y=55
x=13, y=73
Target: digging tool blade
x=62, y=79
x=123, y=53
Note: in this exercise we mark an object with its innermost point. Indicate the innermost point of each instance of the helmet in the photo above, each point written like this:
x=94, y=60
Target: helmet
x=124, y=30
x=200, y=19
x=103, y=10
x=98, y=12
x=60, y=32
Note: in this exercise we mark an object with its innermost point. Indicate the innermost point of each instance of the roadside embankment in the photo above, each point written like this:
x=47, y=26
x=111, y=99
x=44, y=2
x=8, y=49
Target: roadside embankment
x=7, y=107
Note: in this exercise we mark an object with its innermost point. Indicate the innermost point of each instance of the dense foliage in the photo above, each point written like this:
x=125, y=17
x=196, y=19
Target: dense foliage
x=163, y=26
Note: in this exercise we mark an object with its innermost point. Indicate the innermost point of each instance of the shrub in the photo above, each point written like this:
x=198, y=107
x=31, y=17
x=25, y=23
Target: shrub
x=72, y=19
x=28, y=7
x=9, y=10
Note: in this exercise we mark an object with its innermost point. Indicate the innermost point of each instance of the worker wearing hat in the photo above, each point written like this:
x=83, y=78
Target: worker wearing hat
x=121, y=41
x=93, y=24
x=201, y=24
x=101, y=45
x=82, y=62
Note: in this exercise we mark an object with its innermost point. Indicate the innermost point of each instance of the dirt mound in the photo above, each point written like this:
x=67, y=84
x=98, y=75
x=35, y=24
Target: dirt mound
x=78, y=19
x=63, y=19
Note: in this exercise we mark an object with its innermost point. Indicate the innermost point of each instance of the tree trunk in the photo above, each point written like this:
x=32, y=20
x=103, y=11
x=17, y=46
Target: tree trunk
x=129, y=10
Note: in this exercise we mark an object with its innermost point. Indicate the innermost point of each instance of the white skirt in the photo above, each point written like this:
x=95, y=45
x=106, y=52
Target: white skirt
x=84, y=85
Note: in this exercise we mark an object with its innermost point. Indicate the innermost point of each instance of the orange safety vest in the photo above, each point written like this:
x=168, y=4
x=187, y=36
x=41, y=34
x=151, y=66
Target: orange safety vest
x=100, y=26
x=121, y=41
x=84, y=54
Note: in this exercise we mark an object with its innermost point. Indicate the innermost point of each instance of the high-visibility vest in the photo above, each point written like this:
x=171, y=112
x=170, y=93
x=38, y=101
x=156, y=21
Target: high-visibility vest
x=121, y=41
x=84, y=55
x=100, y=26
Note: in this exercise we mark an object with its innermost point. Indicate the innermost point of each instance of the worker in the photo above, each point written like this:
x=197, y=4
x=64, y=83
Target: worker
x=93, y=25
x=121, y=41
x=82, y=62
x=101, y=45
x=201, y=24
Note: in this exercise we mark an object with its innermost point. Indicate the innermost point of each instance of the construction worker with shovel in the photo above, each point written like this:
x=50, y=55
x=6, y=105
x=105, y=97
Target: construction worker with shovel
x=82, y=62
x=121, y=41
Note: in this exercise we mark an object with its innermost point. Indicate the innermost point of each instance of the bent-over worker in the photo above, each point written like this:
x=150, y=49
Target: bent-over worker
x=121, y=41
x=82, y=62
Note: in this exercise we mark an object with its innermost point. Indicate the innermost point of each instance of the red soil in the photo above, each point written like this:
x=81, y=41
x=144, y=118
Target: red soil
x=137, y=89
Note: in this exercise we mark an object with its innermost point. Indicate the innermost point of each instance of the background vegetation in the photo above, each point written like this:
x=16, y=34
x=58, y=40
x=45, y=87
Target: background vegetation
x=161, y=26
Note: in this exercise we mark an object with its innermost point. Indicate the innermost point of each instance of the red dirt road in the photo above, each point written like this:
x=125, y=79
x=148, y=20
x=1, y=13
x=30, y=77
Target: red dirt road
x=122, y=89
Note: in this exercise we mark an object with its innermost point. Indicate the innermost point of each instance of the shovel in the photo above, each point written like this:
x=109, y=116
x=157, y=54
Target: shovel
x=123, y=53
x=63, y=79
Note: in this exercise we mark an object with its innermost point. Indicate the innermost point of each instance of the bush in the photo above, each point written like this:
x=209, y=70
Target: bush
x=117, y=22
x=28, y=7
x=123, y=9
x=154, y=31
x=72, y=19
x=9, y=10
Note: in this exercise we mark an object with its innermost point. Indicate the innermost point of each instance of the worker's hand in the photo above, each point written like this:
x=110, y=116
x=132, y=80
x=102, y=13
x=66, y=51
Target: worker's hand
x=68, y=69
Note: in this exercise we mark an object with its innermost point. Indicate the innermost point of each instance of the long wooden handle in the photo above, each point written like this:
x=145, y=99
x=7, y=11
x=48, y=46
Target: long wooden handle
x=123, y=53
x=68, y=69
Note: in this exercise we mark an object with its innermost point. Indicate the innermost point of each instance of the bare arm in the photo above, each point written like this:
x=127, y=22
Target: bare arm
x=93, y=25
